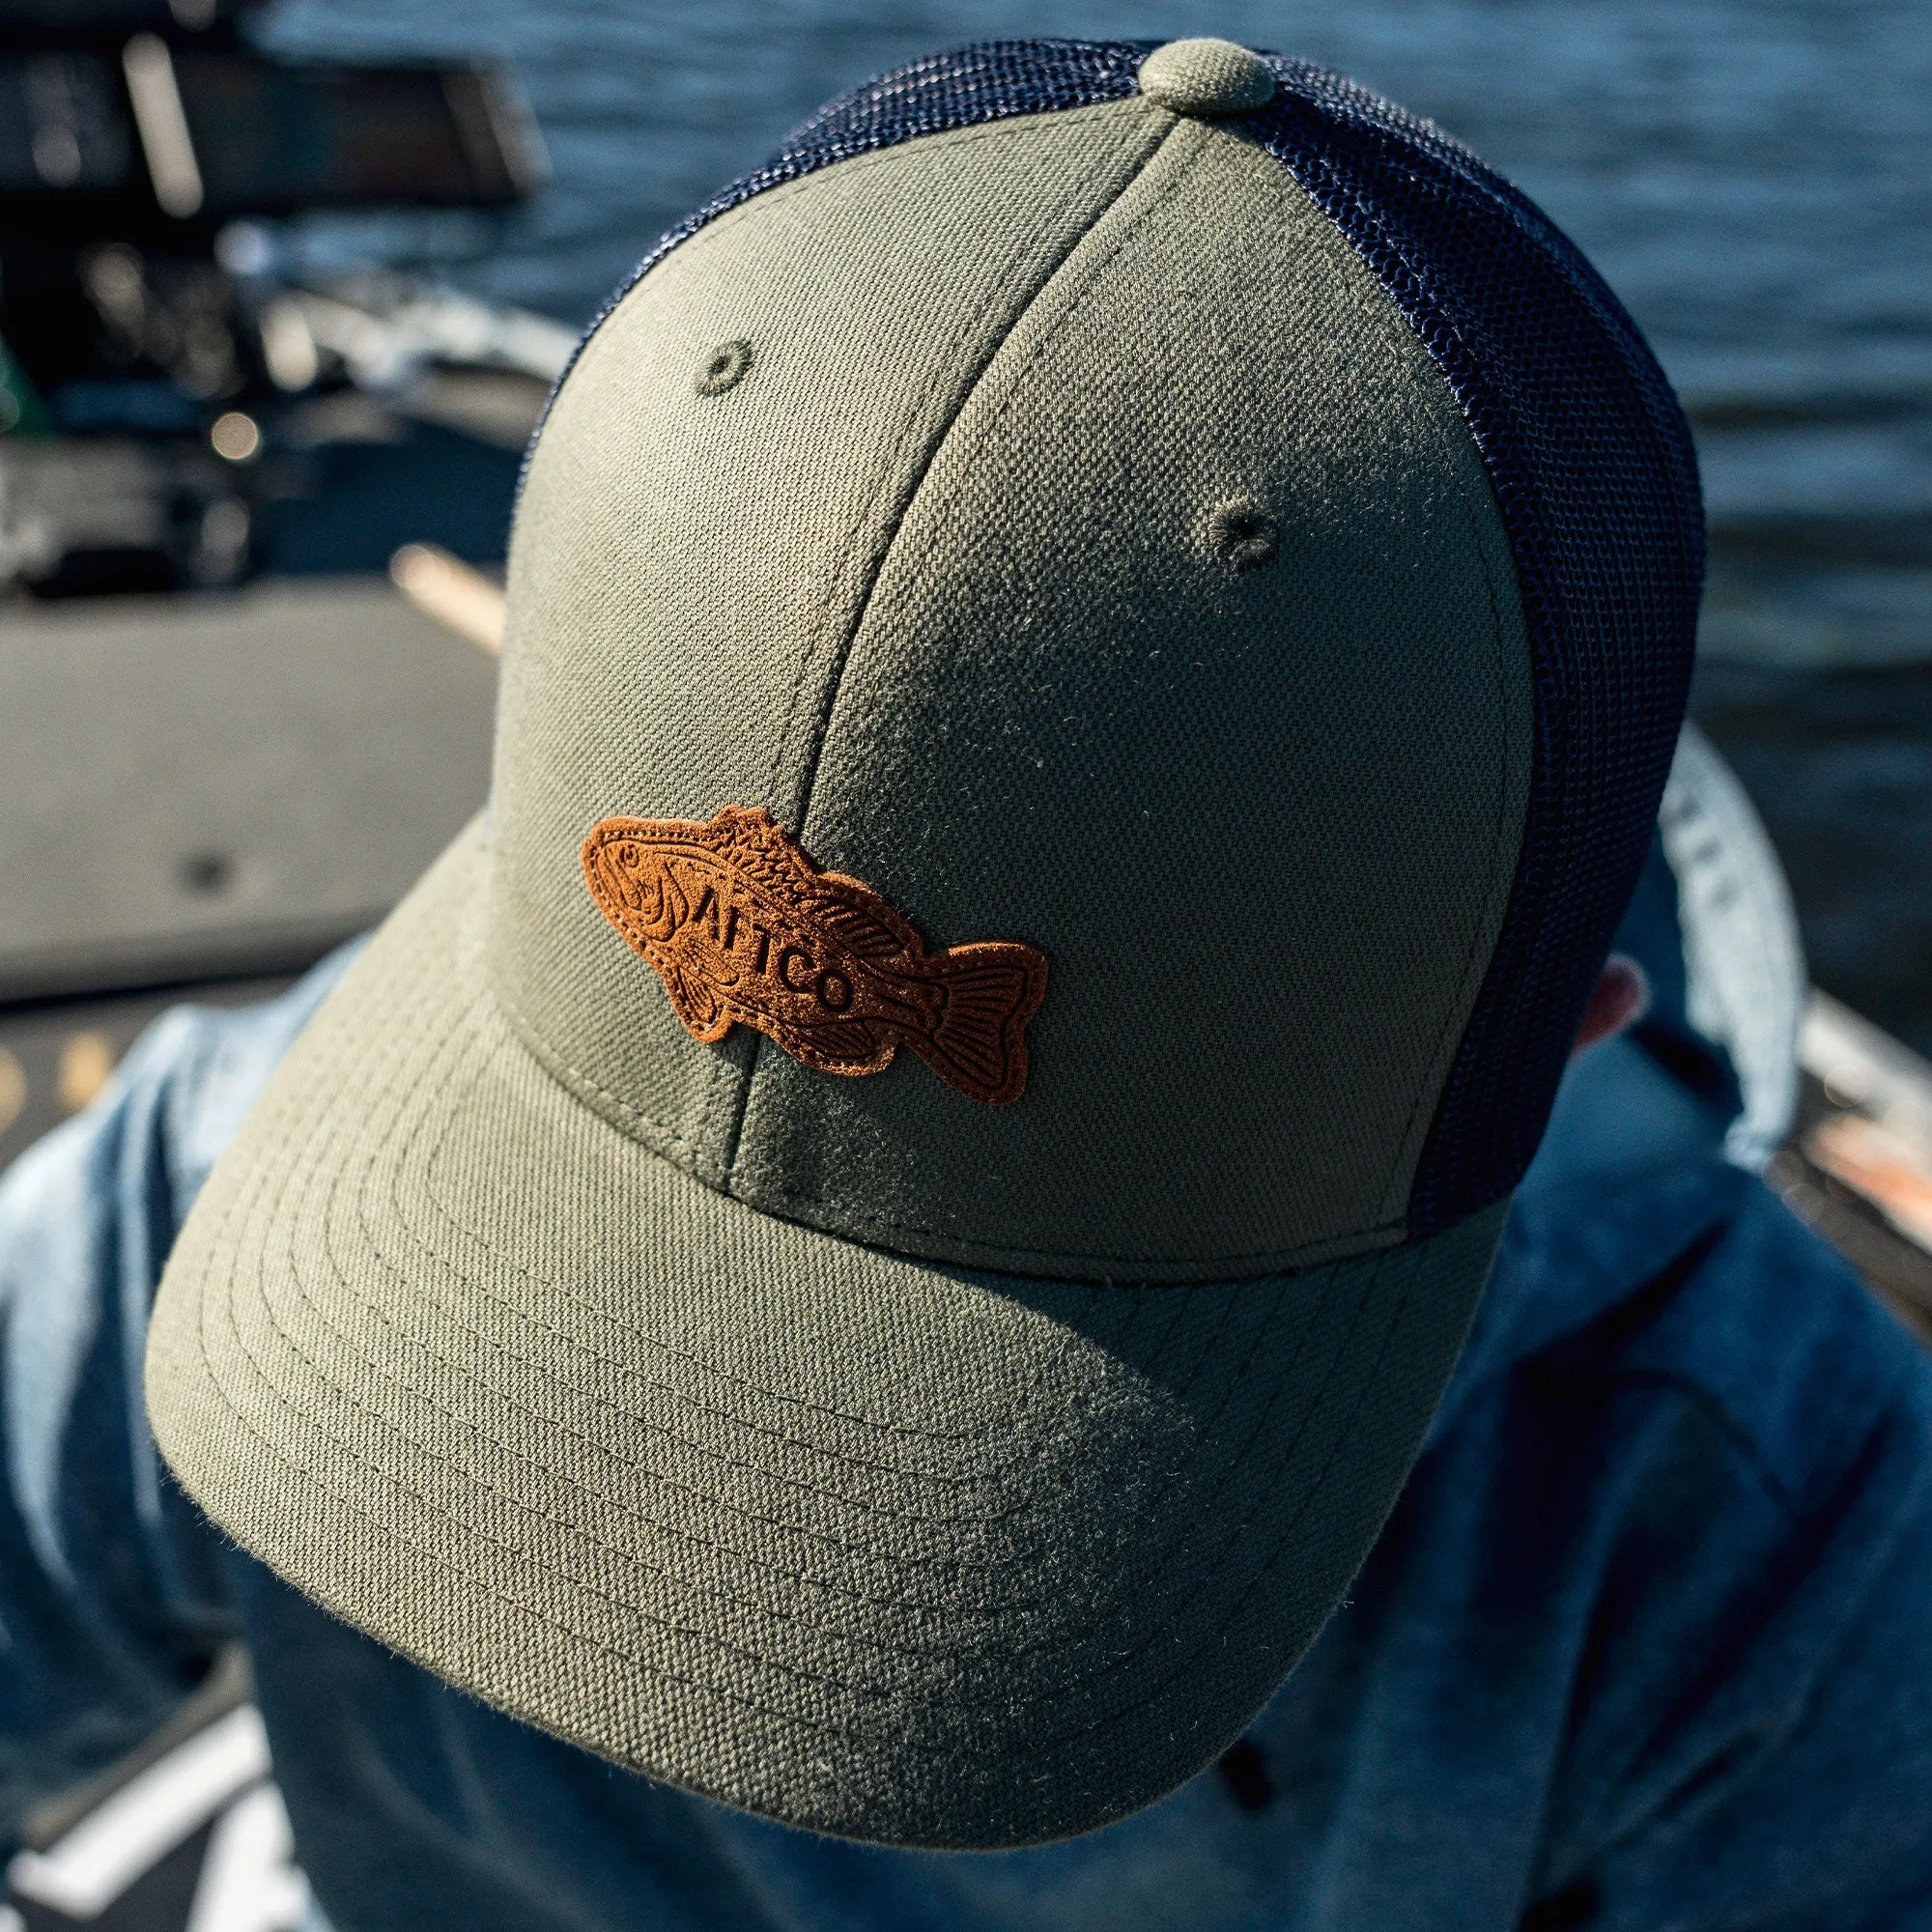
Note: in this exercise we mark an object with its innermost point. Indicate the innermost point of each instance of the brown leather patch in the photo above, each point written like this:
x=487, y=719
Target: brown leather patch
x=742, y=928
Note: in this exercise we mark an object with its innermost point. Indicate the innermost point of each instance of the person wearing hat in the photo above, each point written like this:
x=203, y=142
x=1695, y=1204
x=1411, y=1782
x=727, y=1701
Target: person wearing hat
x=886, y=1259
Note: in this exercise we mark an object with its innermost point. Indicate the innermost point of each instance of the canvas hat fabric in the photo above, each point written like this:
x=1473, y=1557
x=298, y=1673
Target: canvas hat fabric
x=1211, y=572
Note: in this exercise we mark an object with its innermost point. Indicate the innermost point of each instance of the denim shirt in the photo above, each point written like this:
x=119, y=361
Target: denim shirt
x=1647, y=1641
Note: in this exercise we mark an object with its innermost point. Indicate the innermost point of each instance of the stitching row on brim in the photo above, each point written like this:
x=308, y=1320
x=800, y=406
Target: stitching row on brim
x=868, y=1545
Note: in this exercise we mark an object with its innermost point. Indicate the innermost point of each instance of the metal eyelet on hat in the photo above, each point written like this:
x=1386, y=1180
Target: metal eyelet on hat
x=1243, y=534
x=724, y=368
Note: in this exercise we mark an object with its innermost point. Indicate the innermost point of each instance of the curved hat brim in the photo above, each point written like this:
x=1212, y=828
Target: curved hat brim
x=869, y=1545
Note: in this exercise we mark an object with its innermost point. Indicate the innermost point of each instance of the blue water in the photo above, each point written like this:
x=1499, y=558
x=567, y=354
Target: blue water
x=1754, y=177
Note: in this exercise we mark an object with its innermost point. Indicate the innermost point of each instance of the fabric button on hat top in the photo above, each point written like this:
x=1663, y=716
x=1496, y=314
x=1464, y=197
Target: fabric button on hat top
x=1207, y=77
x=1012, y=581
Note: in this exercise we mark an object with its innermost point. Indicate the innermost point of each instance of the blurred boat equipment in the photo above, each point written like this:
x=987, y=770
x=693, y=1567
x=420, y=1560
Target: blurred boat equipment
x=461, y=599
x=160, y=384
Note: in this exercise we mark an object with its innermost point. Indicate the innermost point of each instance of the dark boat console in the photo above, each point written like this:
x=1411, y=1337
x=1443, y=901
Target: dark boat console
x=145, y=360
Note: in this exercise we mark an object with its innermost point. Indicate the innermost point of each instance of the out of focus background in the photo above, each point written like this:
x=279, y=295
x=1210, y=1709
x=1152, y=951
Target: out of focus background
x=282, y=287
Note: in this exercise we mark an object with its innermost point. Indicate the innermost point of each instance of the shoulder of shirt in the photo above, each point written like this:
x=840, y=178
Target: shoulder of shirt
x=1698, y=1282
x=212, y=1063
x=173, y=1104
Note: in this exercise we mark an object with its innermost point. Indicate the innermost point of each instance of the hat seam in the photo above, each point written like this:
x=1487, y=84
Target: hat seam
x=1267, y=1262
x=575, y=1078
x=464, y=1525
x=1396, y=1197
x=1233, y=1378
x=397, y=1435
x=890, y=477
x=987, y=1474
x=1095, y=1287
x=748, y=190
x=1395, y=335
x=407, y=1440
x=815, y=749
x=938, y=432
x=1370, y=168
x=818, y=725
x=1399, y=337
x=967, y=1253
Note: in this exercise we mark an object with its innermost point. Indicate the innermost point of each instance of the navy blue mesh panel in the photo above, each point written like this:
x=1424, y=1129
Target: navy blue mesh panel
x=1593, y=471
x=1594, y=475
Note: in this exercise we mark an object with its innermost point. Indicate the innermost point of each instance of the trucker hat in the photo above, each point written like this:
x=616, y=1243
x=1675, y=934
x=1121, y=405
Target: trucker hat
x=1092, y=656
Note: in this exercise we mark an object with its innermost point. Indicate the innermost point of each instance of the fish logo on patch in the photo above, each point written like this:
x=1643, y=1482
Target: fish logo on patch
x=743, y=928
